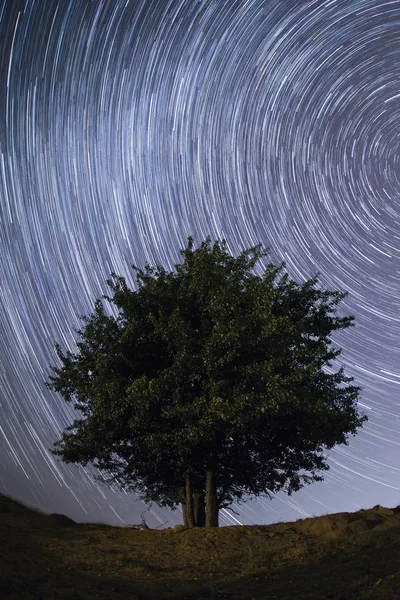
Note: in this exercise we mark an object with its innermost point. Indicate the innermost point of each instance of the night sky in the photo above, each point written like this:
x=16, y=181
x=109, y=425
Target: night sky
x=125, y=127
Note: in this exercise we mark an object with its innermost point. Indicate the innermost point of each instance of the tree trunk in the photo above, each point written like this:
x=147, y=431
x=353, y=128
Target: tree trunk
x=184, y=513
x=211, y=500
x=199, y=508
x=189, y=502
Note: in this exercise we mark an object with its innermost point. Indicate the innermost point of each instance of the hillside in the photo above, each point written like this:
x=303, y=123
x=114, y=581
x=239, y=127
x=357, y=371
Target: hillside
x=346, y=556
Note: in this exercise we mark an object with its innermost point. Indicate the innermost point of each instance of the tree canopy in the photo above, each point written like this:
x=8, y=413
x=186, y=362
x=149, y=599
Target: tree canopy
x=209, y=384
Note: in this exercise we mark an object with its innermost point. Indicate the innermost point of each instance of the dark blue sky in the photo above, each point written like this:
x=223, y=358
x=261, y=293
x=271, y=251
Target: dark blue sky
x=126, y=126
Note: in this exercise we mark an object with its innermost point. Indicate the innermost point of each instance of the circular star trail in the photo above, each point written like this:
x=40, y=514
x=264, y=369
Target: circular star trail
x=126, y=126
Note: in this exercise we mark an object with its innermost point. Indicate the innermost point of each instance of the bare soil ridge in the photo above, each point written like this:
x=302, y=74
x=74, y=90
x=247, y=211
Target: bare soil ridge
x=344, y=556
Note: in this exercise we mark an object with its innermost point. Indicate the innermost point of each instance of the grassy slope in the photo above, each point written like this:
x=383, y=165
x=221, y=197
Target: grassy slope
x=345, y=556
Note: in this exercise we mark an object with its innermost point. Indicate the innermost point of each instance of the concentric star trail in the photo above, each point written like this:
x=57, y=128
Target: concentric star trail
x=127, y=126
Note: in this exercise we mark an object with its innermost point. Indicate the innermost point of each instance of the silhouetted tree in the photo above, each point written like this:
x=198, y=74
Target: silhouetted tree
x=209, y=384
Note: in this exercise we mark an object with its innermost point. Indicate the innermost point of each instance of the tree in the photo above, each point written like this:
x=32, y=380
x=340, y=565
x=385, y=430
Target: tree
x=209, y=384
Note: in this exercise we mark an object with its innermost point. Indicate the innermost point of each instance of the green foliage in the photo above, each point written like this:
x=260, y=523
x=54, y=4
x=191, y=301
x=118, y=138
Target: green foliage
x=210, y=367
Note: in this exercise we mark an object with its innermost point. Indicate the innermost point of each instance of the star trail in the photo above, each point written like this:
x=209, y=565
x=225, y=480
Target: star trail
x=127, y=126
